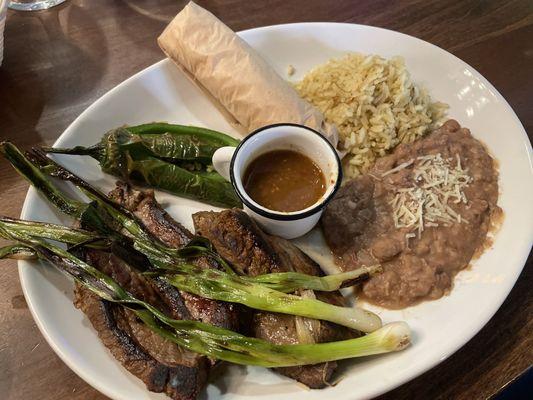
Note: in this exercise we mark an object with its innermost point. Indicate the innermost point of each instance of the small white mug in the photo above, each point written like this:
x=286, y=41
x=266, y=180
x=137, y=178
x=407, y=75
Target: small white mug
x=232, y=162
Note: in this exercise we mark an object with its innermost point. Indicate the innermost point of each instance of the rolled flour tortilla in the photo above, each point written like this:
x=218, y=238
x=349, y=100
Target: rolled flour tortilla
x=234, y=74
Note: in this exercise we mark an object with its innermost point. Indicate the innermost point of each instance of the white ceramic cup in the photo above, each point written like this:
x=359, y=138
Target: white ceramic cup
x=232, y=162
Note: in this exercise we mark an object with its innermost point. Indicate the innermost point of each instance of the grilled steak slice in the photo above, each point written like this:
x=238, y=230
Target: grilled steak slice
x=160, y=364
x=144, y=205
x=252, y=252
x=160, y=224
x=238, y=239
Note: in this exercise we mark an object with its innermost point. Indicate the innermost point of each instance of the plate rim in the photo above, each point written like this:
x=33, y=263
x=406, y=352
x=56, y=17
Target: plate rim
x=378, y=389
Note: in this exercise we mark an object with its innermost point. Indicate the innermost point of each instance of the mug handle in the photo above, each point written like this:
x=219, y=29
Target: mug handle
x=222, y=161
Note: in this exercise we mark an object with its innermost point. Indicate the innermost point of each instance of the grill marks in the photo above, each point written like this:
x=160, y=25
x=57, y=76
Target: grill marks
x=160, y=364
x=181, y=378
x=236, y=238
x=252, y=252
x=157, y=221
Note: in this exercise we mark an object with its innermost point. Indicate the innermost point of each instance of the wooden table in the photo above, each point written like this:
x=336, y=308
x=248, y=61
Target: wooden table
x=59, y=61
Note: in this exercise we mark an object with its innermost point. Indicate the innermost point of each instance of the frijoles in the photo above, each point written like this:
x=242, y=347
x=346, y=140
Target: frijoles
x=422, y=212
x=160, y=364
x=252, y=252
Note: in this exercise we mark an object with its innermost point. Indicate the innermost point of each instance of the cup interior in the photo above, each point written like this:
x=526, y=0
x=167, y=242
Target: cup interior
x=287, y=137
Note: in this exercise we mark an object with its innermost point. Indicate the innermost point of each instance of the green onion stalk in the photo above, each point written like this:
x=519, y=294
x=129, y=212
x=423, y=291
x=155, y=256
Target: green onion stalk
x=86, y=213
x=210, y=283
x=204, y=283
x=93, y=215
x=17, y=252
x=288, y=282
x=216, y=285
x=166, y=256
x=210, y=340
x=59, y=233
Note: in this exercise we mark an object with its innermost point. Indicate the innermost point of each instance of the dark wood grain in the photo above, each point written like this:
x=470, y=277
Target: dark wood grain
x=58, y=62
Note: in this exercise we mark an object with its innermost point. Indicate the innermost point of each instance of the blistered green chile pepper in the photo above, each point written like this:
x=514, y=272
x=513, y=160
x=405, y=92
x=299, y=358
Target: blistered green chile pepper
x=175, y=158
x=173, y=143
x=209, y=187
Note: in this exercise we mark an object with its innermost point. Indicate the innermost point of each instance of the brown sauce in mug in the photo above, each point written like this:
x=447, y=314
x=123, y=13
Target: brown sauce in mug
x=284, y=180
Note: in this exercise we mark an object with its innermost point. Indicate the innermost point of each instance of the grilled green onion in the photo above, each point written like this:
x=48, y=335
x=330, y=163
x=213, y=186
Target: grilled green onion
x=213, y=284
x=217, y=285
x=210, y=340
x=17, y=252
x=290, y=281
x=56, y=232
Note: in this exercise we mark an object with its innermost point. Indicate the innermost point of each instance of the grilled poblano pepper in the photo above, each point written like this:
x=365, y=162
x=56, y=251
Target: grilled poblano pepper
x=174, y=158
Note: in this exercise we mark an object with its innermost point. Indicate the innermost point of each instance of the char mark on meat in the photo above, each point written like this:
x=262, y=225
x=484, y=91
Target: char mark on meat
x=159, y=363
x=238, y=239
x=144, y=205
x=177, y=378
x=252, y=252
x=160, y=224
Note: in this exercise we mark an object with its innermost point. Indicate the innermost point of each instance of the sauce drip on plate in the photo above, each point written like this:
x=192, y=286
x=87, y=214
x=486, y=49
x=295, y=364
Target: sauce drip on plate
x=284, y=180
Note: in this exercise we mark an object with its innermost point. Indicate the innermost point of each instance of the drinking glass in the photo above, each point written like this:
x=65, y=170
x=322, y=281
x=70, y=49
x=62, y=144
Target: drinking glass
x=3, y=9
x=33, y=5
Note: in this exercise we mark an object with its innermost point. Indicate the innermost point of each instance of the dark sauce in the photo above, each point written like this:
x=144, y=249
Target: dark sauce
x=284, y=180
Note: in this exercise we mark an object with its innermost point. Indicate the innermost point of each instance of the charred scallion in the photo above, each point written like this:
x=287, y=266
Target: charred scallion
x=210, y=283
x=216, y=285
x=86, y=213
x=210, y=340
x=17, y=252
x=290, y=281
x=59, y=233
x=213, y=284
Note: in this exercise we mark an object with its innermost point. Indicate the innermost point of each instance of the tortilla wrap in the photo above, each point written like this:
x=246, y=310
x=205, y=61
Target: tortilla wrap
x=235, y=74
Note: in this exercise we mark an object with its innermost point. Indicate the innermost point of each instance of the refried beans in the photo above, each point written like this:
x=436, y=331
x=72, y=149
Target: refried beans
x=417, y=265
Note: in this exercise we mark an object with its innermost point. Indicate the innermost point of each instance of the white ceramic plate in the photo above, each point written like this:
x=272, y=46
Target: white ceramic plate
x=162, y=93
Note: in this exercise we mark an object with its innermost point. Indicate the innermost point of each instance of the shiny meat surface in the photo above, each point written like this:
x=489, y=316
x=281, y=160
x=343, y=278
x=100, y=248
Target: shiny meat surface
x=238, y=239
x=157, y=221
x=169, y=374
x=145, y=207
x=252, y=252
x=160, y=364
x=360, y=230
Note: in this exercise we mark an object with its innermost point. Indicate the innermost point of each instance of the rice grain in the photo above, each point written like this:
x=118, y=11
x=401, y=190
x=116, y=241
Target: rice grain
x=374, y=104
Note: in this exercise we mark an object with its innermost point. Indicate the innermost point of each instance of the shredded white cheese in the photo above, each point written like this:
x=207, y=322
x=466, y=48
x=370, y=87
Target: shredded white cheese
x=435, y=184
x=398, y=168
